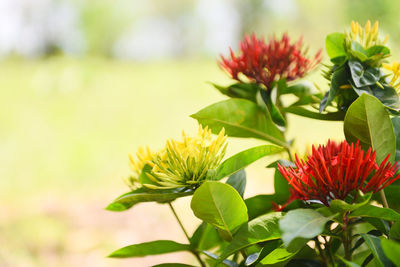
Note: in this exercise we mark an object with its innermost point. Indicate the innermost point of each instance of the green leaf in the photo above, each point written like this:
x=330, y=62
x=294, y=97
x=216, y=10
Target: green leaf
x=300, y=111
x=391, y=250
x=348, y=263
x=278, y=255
x=367, y=120
x=130, y=199
x=363, y=76
x=220, y=205
x=149, y=248
x=273, y=110
x=268, y=247
x=339, y=77
x=240, y=90
x=261, y=229
x=238, y=181
x=173, y=265
x=377, y=49
x=335, y=45
x=341, y=206
x=358, y=51
x=302, y=223
x=374, y=244
x=240, y=118
x=388, y=95
x=394, y=232
x=215, y=260
x=396, y=128
x=281, y=186
x=261, y=204
x=245, y=158
x=205, y=237
x=375, y=212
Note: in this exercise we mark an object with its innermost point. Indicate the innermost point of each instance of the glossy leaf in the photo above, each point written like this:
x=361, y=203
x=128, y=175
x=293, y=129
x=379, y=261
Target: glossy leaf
x=149, y=248
x=300, y=111
x=130, y=199
x=276, y=114
x=335, y=45
x=302, y=223
x=376, y=212
x=348, y=263
x=394, y=232
x=338, y=205
x=220, y=205
x=339, y=77
x=388, y=95
x=281, y=186
x=240, y=90
x=278, y=255
x=367, y=120
x=363, y=76
x=215, y=259
x=245, y=158
x=261, y=204
x=238, y=181
x=396, y=128
x=391, y=250
x=205, y=237
x=240, y=118
x=261, y=229
x=374, y=244
x=268, y=247
x=377, y=49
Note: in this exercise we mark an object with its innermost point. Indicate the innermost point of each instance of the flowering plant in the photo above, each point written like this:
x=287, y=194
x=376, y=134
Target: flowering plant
x=336, y=206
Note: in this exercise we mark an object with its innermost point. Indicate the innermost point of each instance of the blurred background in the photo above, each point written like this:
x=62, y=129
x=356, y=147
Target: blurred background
x=84, y=83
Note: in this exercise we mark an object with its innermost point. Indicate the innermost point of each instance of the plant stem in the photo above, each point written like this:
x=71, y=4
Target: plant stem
x=195, y=253
x=346, y=238
x=289, y=154
x=321, y=252
x=384, y=200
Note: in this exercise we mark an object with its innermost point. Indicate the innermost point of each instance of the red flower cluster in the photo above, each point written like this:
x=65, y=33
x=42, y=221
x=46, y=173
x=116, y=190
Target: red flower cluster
x=267, y=62
x=335, y=170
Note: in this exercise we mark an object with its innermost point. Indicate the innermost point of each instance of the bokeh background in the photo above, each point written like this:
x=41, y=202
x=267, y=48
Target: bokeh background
x=84, y=83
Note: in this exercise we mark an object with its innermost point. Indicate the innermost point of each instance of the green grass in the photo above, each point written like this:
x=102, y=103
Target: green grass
x=66, y=128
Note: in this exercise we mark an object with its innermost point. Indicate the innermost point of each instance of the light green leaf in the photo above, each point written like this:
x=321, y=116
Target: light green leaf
x=278, y=255
x=149, y=248
x=245, y=158
x=338, y=205
x=335, y=45
x=348, y=263
x=126, y=201
x=220, y=205
x=205, y=237
x=391, y=250
x=367, y=120
x=376, y=212
x=240, y=118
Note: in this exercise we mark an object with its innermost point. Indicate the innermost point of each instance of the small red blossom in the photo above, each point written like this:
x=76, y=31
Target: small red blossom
x=265, y=63
x=335, y=170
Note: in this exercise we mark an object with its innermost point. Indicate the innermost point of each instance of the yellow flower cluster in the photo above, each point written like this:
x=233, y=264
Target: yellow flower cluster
x=187, y=163
x=367, y=36
x=143, y=156
x=184, y=163
x=395, y=69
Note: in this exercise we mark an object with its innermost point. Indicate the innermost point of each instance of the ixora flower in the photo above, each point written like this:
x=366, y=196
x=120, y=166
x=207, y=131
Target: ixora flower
x=265, y=63
x=367, y=36
x=395, y=69
x=336, y=170
x=189, y=162
x=143, y=157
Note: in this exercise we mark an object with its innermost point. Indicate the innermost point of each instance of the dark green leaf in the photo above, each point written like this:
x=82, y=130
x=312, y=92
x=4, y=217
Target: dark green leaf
x=331, y=116
x=363, y=76
x=348, y=263
x=278, y=255
x=335, y=45
x=149, y=248
x=302, y=223
x=173, y=265
x=238, y=181
x=358, y=51
x=391, y=250
x=130, y=199
x=388, y=95
x=273, y=110
x=240, y=90
x=396, y=128
x=261, y=229
x=381, y=225
x=269, y=246
x=367, y=120
x=374, y=244
x=339, y=77
x=341, y=206
x=281, y=186
x=215, y=259
x=376, y=212
x=205, y=237
x=261, y=204
x=240, y=118
x=245, y=158
x=214, y=203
